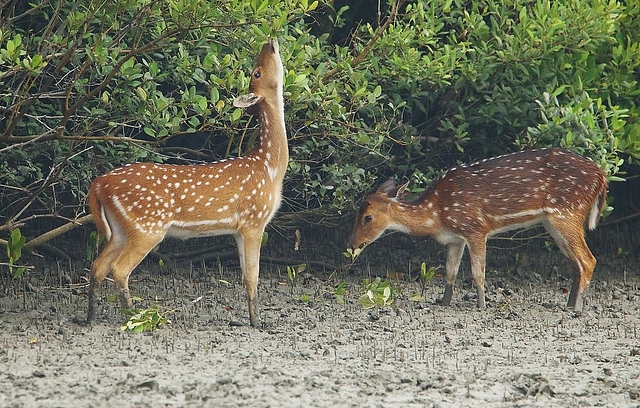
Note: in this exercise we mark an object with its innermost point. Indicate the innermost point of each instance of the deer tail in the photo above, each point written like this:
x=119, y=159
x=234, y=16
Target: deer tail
x=598, y=206
x=99, y=217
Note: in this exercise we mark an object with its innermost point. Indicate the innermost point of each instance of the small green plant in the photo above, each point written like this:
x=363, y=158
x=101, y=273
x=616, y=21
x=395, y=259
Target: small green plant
x=377, y=293
x=294, y=272
x=14, y=251
x=94, y=242
x=549, y=246
x=622, y=253
x=352, y=254
x=340, y=292
x=426, y=274
x=145, y=320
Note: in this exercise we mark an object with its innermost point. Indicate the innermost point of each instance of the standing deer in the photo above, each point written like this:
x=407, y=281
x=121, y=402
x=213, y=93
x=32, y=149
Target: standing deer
x=472, y=202
x=138, y=205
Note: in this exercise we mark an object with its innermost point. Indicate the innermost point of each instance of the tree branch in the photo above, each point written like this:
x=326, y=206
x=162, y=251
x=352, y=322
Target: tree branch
x=63, y=229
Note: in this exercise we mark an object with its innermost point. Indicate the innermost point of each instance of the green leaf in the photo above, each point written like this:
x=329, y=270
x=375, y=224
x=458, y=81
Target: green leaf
x=142, y=94
x=214, y=95
x=15, y=244
x=569, y=138
x=559, y=90
x=18, y=273
x=153, y=69
x=202, y=103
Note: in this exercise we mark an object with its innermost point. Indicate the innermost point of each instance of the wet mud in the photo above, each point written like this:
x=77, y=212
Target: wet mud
x=321, y=347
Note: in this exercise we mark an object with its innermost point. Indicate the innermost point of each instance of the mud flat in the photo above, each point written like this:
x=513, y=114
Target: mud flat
x=524, y=350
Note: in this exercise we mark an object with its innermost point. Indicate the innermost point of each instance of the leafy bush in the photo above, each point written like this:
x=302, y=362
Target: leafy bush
x=87, y=86
x=449, y=81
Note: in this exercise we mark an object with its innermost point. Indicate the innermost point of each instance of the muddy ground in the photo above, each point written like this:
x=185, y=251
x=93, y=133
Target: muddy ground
x=524, y=350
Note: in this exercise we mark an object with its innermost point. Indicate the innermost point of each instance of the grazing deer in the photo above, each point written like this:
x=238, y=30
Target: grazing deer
x=470, y=203
x=138, y=205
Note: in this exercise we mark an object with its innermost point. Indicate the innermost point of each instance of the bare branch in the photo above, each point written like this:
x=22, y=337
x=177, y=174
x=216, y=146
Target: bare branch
x=61, y=230
x=34, y=139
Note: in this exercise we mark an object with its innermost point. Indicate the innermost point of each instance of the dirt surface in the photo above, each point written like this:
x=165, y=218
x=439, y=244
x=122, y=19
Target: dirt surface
x=524, y=350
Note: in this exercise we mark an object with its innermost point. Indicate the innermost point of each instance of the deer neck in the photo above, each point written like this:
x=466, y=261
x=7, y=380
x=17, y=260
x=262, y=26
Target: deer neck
x=419, y=217
x=273, y=150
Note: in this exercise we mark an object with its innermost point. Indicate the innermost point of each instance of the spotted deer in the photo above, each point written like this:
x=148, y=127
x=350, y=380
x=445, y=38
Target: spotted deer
x=470, y=203
x=136, y=206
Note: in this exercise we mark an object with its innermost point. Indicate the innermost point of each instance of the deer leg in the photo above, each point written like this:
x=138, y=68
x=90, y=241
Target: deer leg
x=574, y=247
x=99, y=270
x=127, y=261
x=584, y=264
x=478, y=255
x=454, y=256
x=249, y=252
x=575, y=301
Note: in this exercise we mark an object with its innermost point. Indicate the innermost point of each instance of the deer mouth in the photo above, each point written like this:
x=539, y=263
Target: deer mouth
x=354, y=251
x=273, y=43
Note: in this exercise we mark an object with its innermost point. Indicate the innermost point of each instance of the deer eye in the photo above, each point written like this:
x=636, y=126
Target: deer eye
x=256, y=74
x=368, y=218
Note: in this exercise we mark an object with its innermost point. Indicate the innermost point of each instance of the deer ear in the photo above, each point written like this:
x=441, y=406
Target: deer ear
x=400, y=189
x=388, y=187
x=245, y=101
x=392, y=189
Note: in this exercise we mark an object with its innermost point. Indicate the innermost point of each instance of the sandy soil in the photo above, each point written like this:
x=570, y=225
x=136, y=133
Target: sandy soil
x=524, y=350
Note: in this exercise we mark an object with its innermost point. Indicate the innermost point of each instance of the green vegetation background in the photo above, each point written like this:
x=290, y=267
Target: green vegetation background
x=405, y=90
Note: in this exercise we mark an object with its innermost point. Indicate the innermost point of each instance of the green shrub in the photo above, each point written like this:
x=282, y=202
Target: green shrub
x=89, y=85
